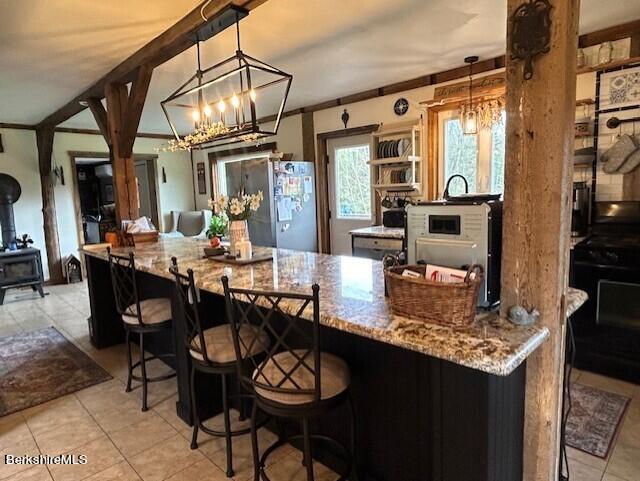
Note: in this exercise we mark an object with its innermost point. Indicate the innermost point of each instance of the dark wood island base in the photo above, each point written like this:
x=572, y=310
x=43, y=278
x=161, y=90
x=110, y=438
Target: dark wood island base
x=419, y=418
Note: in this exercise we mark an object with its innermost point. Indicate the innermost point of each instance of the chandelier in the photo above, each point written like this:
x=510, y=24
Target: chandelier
x=240, y=99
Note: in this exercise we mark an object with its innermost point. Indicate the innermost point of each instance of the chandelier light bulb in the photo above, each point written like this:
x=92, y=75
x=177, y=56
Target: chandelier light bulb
x=470, y=123
x=252, y=95
x=207, y=110
x=195, y=115
x=235, y=101
x=222, y=106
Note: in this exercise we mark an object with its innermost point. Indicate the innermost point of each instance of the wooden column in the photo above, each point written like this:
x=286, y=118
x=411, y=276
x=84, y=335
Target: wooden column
x=123, y=117
x=308, y=137
x=44, y=139
x=537, y=219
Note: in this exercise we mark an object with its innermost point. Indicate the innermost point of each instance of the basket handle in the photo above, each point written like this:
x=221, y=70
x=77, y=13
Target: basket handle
x=478, y=269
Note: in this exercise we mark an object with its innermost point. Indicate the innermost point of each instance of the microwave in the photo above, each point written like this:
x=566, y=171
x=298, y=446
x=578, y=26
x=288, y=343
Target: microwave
x=458, y=234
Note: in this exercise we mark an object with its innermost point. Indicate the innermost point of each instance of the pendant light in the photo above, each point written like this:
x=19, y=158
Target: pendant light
x=470, y=120
x=240, y=99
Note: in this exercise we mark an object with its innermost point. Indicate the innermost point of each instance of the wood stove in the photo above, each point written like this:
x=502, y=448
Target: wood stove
x=18, y=267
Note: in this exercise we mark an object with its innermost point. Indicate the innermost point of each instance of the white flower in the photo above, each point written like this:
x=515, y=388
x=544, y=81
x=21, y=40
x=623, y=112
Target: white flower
x=236, y=207
x=222, y=203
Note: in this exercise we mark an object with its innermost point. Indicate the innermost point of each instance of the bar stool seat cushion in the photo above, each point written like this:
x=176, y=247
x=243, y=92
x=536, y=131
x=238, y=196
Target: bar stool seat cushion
x=334, y=377
x=154, y=311
x=219, y=343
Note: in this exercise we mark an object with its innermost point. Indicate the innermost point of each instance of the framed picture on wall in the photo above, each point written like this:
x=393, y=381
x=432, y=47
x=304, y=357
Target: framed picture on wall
x=620, y=88
x=202, y=186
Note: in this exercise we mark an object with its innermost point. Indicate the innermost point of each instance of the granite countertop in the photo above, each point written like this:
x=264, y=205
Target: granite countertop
x=379, y=231
x=351, y=300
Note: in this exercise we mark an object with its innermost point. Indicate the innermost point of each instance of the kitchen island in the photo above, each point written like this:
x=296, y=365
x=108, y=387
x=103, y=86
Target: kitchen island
x=432, y=403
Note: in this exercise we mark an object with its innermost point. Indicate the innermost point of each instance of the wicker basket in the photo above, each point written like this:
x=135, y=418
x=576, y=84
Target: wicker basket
x=450, y=304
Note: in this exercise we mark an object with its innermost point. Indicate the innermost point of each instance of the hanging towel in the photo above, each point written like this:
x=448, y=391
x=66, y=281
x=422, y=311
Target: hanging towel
x=631, y=163
x=618, y=153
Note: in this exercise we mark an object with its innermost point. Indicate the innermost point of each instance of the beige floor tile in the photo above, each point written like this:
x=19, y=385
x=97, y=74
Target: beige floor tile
x=135, y=438
x=157, y=392
x=120, y=472
x=54, y=413
x=9, y=327
x=203, y=470
x=625, y=462
x=607, y=384
x=66, y=437
x=103, y=397
x=13, y=429
x=101, y=454
x=290, y=468
x=130, y=412
x=34, y=473
x=630, y=432
x=167, y=409
x=583, y=472
x=584, y=458
x=215, y=449
x=26, y=447
x=165, y=459
x=611, y=477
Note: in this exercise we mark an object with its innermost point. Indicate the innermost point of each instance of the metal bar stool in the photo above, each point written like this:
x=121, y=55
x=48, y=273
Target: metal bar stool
x=212, y=351
x=296, y=380
x=142, y=317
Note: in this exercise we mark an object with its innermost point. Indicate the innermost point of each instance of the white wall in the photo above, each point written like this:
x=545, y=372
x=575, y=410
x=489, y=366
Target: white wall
x=20, y=159
x=289, y=140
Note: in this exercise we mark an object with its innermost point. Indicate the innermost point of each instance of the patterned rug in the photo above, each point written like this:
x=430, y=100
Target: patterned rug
x=41, y=365
x=594, y=419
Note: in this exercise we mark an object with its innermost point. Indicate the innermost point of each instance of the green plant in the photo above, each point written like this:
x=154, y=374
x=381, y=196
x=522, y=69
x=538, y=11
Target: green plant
x=218, y=225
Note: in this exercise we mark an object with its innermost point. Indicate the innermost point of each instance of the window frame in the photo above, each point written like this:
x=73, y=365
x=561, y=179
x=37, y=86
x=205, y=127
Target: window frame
x=483, y=152
x=336, y=192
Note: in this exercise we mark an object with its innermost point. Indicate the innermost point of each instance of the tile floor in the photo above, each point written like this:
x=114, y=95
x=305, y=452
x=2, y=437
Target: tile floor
x=106, y=424
x=123, y=443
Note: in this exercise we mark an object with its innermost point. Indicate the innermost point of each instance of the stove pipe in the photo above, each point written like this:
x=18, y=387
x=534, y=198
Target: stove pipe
x=9, y=194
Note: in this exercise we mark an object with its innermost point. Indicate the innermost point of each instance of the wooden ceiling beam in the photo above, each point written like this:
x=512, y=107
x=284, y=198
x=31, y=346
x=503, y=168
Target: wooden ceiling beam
x=165, y=46
x=611, y=34
x=135, y=103
x=100, y=116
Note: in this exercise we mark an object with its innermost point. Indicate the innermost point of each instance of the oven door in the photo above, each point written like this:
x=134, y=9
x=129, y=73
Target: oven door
x=607, y=327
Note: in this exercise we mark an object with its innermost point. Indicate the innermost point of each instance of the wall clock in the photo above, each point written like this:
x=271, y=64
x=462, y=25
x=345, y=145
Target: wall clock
x=401, y=106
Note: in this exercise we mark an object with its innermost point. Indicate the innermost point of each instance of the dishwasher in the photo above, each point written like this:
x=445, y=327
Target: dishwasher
x=375, y=247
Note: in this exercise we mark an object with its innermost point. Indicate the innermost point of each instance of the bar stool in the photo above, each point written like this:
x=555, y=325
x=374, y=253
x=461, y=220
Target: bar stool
x=296, y=379
x=212, y=351
x=142, y=317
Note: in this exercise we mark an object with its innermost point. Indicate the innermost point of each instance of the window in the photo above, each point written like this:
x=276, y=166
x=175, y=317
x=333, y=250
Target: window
x=353, y=181
x=479, y=158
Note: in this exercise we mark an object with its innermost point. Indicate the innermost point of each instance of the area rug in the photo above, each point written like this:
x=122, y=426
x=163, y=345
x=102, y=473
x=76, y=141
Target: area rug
x=42, y=365
x=594, y=419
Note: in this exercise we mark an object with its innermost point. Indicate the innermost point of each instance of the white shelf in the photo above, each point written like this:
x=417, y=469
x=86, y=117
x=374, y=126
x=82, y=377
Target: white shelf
x=406, y=187
x=405, y=159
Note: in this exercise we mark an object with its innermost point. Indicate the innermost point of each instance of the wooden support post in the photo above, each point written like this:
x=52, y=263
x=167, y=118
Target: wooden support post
x=537, y=219
x=123, y=117
x=44, y=139
x=308, y=137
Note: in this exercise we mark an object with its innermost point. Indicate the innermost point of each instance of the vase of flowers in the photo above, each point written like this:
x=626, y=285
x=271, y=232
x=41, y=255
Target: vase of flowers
x=237, y=209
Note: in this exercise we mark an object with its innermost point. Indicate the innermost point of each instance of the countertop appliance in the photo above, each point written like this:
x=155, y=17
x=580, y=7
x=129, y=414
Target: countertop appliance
x=580, y=210
x=458, y=234
x=287, y=216
x=607, y=266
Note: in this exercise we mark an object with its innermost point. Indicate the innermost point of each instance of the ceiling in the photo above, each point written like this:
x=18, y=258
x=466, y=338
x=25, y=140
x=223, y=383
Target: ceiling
x=54, y=49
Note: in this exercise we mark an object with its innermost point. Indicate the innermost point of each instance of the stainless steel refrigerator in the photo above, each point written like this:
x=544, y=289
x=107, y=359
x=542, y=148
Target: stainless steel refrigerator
x=287, y=216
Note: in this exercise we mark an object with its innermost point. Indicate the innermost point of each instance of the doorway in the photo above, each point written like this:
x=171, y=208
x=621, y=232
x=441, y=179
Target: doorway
x=350, y=193
x=94, y=197
x=147, y=195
